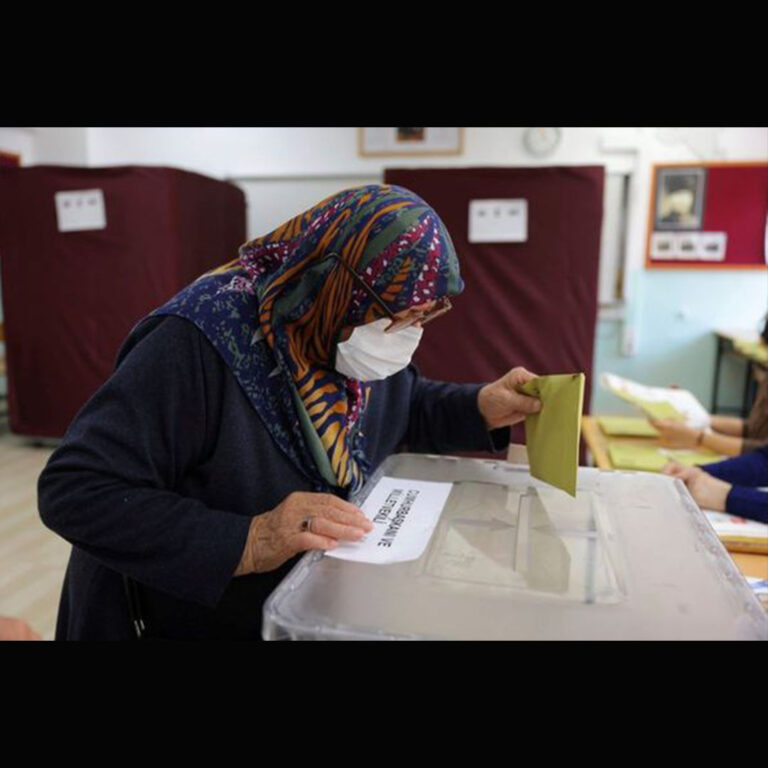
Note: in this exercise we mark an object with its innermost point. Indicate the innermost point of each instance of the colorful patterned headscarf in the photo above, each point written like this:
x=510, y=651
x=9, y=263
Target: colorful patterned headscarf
x=276, y=313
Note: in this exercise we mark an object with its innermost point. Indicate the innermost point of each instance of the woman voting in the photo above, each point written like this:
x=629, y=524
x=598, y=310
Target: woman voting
x=244, y=412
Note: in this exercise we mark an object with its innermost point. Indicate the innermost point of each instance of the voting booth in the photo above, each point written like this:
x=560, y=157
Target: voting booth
x=85, y=254
x=630, y=557
x=530, y=294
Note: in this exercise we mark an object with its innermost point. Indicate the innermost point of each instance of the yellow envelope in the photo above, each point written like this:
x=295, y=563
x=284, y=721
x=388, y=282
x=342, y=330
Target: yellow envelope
x=627, y=425
x=552, y=434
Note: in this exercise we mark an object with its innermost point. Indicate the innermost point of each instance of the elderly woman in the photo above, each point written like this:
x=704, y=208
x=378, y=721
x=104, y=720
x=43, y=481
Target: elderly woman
x=244, y=413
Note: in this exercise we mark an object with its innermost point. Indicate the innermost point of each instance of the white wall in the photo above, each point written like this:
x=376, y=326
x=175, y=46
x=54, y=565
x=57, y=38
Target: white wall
x=62, y=146
x=226, y=152
x=19, y=141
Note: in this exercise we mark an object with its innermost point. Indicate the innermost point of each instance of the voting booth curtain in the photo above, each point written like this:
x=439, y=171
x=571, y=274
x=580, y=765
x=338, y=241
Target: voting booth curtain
x=531, y=303
x=71, y=297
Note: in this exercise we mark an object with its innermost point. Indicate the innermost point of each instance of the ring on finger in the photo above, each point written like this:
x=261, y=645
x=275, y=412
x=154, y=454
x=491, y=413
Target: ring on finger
x=306, y=524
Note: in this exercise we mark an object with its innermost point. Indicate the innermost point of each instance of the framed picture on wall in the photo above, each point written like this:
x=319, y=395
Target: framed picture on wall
x=680, y=198
x=707, y=216
x=388, y=142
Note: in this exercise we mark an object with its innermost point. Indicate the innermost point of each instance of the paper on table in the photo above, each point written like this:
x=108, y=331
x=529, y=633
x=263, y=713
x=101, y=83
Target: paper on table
x=552, y=434
x=404, y=514
x=653, y=458
x=756, y=350
x=730, y=525
x=691, y=458
x=681, y=400
x=639, y=457
x=627, y=425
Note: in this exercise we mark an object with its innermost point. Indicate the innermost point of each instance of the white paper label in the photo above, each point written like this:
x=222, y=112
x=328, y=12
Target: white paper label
x=498, y=221
x=80, y=210
x=712, y=246
x=404, y=514
x=689, y=246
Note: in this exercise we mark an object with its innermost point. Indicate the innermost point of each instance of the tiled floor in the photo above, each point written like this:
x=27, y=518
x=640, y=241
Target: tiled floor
x=32, y=558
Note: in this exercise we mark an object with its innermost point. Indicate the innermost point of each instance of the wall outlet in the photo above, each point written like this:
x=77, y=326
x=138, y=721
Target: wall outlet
x=628, y=342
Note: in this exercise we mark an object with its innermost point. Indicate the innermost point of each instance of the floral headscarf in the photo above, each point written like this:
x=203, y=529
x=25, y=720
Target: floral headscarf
x=275, y=315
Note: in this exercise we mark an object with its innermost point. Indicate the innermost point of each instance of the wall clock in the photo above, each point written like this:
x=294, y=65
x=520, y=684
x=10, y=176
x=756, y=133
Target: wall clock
x=541, y=141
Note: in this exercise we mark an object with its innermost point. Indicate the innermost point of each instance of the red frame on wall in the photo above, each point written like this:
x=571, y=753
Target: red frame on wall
x=735, y=202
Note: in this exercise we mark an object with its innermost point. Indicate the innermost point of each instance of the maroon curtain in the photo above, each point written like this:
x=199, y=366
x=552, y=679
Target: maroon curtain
x=70, y=298
x=532, y=304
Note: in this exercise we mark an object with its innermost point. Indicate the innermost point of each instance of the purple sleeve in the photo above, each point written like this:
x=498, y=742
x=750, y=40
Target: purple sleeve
x=747, y=502
x=749, y=469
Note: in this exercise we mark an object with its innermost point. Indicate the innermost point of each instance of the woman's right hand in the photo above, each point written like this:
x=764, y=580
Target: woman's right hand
x=683, y=471
x=278, y=535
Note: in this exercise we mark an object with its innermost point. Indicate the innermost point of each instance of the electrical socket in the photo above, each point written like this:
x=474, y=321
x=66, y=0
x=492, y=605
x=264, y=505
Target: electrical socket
x=628, y=341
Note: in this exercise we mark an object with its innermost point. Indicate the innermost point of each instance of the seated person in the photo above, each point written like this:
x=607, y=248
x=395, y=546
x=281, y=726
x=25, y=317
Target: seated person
x=731, y=486
x=729, y=435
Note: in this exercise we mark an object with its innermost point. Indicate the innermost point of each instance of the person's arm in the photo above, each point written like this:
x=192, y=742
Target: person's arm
x=676, y=434
x=727, y=445
x=747, y=502
x=728, y=425
x=110, y=486
x=750, y=469
x=448, y=417
x=444, y=417
x=752, y=444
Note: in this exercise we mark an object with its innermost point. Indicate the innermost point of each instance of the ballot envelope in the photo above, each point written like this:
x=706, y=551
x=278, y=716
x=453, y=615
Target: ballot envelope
x=631, y=557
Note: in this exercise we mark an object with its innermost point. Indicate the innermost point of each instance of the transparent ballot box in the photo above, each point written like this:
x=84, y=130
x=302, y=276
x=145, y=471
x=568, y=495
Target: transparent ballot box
x=511, y=558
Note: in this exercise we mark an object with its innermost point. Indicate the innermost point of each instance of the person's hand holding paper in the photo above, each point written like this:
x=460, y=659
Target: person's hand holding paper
x=501, y=402
x=675, y=434
x=552, y=435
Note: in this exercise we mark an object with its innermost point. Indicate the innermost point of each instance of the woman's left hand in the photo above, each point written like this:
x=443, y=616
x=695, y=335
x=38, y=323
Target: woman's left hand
x=501, y=405
x=675, y=434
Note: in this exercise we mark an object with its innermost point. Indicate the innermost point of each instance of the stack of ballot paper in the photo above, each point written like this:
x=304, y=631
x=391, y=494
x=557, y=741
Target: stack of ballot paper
x=756, y=350
x=643, y=458
x=627, y=426
x=552, y=434
x=652, y=458
x=659, y=402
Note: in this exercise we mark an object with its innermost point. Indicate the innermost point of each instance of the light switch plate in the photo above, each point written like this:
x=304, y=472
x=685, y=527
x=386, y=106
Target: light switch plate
x=498, y=221
x=79, y=210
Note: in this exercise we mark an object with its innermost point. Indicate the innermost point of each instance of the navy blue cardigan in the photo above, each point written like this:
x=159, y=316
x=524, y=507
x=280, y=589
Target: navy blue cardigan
x=745, y=473
x=160, y=473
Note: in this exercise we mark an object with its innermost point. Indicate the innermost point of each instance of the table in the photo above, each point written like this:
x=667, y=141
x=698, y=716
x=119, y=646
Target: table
x=597, y=442
x=726, y=346
x=755, y=566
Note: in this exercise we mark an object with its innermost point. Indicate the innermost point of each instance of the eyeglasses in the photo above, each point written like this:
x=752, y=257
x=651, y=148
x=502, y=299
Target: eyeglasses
x=442, y=305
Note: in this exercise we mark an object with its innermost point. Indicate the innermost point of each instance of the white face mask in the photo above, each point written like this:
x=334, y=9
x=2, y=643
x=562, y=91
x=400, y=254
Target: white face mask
x=370, y=354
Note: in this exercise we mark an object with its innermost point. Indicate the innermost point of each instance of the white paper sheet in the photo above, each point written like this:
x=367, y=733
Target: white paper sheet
x=696, y=415
x=729, y=525
x=404, y=514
